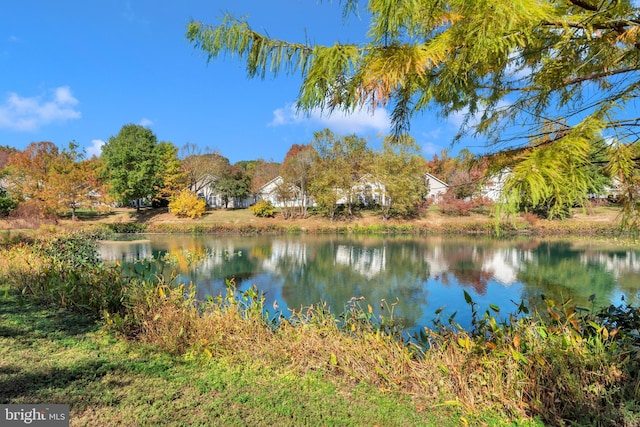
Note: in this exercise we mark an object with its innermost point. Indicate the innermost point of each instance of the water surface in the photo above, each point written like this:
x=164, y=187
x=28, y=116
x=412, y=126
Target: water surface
x=412, y=275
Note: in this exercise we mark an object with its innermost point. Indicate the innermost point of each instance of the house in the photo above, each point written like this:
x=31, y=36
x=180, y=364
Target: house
x=206, y=191
x=371, y=191
x=492, y=188
x=281, y=194
x=436, y=188
x=368, y=191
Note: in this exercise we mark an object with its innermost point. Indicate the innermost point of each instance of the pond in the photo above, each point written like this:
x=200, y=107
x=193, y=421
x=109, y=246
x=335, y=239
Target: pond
x=414, y=276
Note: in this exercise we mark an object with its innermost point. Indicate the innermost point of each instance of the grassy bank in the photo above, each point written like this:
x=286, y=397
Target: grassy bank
x=602, y=220
x=53, y=356
x=154, y=355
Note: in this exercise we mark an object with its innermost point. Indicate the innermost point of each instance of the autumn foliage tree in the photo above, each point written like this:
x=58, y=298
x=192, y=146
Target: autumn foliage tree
x=554, y=76
x=401, y=169
x=202, y=168
x=261, y=172
x=74, y=181
x=296, y=173
x=50, y=181
x=172, y=178
x=338, y=166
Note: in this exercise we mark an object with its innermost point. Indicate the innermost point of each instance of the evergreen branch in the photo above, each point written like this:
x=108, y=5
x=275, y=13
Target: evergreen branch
x=260, y=52
x=584, y=5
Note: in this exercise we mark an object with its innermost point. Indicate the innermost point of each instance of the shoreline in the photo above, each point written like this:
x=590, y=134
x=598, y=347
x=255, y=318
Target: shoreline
x=600, y=221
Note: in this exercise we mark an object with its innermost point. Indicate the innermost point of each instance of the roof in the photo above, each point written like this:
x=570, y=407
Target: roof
x=428, y=175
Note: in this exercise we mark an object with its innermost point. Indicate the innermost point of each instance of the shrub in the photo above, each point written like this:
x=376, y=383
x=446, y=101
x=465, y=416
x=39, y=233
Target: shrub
x=127, y=227
x=264, y=209
x=187, y=204
x=530, y=218
x=449, y=205
x=66, y=271
x=7, y=203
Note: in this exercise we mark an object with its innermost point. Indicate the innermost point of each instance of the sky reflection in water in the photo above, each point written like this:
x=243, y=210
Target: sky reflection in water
x=415, y=276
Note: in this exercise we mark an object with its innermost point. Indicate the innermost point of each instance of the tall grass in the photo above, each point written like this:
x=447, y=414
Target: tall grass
x=562, y=367
x=558, y=363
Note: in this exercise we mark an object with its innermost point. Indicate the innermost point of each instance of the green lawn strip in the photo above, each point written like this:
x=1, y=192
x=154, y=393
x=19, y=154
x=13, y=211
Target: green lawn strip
x=48, y=356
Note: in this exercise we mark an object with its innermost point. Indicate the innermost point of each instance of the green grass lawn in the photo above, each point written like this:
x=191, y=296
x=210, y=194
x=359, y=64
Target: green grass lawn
x=49, y=356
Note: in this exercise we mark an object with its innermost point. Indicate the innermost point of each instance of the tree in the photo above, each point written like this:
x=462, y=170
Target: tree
x=296, y=172
x=400, y=168
x=7, y=203
x=29, y=172
x=232, y=185
x=261, y=172
x=72, y=180
x=202, y=169
x=172, y=178
x=538, y=184
x=466, y=177
x=51, y=181
x=4, y=156
x=132, y=164
x=340, y=163
x=548, y=75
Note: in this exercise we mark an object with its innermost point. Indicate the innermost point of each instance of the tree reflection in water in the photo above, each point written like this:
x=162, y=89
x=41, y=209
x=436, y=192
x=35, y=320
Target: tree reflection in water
x=417, y=274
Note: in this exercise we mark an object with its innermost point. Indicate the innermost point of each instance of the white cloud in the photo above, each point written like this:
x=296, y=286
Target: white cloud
x=30, y=113
x=357, y=122
x=430, y=141
x=145, y=122
x=96, y=148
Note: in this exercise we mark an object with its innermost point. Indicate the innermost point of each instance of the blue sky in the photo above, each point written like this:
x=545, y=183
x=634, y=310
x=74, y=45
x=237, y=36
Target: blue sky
x=81, y=69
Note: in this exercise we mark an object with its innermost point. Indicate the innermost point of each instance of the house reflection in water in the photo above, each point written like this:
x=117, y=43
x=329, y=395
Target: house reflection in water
x=125, y=251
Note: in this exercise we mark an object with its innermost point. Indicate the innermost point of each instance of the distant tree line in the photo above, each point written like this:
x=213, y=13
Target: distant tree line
x=136, y=170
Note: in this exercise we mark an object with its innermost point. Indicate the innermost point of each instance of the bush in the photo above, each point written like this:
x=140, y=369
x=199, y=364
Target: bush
x=7, y=203
x=127, y=227
x=65, y=270
x=187, y=204
x=451, y=206
x=264, y=209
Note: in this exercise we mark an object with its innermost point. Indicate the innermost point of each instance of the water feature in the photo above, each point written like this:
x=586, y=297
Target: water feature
x=413, y=275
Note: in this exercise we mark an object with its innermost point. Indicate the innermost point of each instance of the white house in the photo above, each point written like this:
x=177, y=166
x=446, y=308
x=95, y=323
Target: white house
x=435, y=187
x=492, y=187
x=366, y=191
x=281, y=194
x=207, y=192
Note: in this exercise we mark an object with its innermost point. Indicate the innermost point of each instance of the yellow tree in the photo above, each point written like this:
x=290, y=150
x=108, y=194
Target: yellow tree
x=73, y=181
x=172, y=177
x=29, y=173
x=400, y=168
x=513, y=68
x=51, y=181
x=339, y=164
